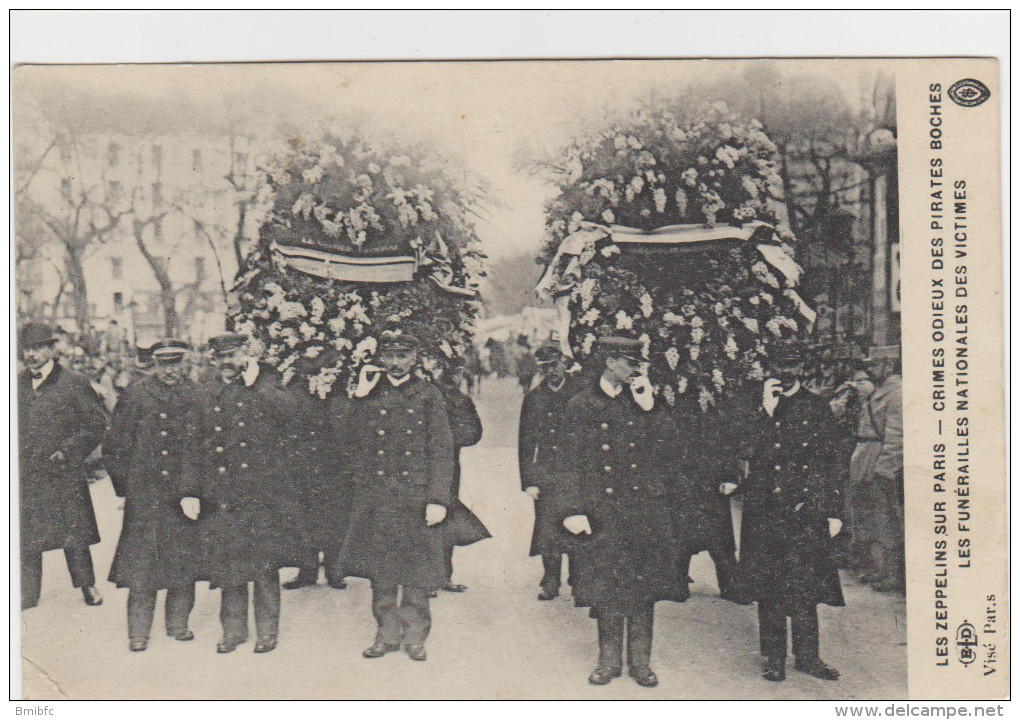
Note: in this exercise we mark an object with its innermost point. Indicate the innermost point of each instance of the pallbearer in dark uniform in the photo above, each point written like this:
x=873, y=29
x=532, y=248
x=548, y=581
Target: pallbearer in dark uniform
x=145, y=364
x=322, y=482
x=148, y=451
x=541, y=446
x=621, y=455
x=792, y=509
x=61, y=421
x=243, y=492
x=402, y=457
x=466, y=429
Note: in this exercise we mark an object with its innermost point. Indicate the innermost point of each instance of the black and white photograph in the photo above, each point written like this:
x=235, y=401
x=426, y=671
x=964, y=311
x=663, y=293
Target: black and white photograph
x=472, y=380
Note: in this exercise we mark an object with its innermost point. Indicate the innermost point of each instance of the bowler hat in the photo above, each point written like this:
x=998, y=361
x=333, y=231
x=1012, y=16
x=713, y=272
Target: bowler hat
x=34, y=334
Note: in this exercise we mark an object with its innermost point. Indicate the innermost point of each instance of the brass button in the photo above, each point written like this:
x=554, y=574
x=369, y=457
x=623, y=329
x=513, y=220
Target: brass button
x=380, y=433
x=382, y=412
x=778, y=468
x=552, y=431
x=162, y=416
x=164, y=473
x=219, y=448
x=803, y=444
x=312, y=433
x=605, y=426
x=405, y=473
x=410, y=432
x=240, y=404
x=380, y=473
x=164, y=453
x=630, y=423
x=777, y=446
x=554, y=447
x=240, y=424
x=630, y=445
x=410, y=411
x=633, y=466
x=548, y=414
x=217, y=428
x=608, y=468
x=803, y=467
x=244, y=466
x=636, y=488
x=216, y=409
x=609, y=491
x=381, y=452
x=777, y=423
x=407, y=453
x=162, y=433
x=605, y=447
x=221, y=469
x=243, y=444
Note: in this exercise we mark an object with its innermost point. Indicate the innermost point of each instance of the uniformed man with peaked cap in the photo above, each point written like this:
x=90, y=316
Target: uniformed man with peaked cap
x=792, y=507
x=61, y=421
x=149, y=453
x=621, y=457
x=402, y=461
x=242, y=492
x=541, y=446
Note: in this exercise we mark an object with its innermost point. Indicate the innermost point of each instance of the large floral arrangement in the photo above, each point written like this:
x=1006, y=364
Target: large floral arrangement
x=707, y=319
x=347, y=196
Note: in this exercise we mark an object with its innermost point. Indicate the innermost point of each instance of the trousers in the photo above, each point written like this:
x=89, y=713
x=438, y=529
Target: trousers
x=725, y=560
x=638, y=629
x=79, y=564
x=266, y=602
x=309, y=568
x=141, y=608
x=409, y=619
x=772, y=631
x=552, y=569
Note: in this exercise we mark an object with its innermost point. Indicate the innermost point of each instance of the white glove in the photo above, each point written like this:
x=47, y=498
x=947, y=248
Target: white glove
x=577, y=524
x=191, y=507
x=835, y=525
x=434, y=514
x=367, y=379
x=641, y=391
x=727, y=488
x=770, y=395
x=532, y=492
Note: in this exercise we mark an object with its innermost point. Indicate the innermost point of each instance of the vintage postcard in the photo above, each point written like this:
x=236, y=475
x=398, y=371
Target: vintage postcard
x=581, y=379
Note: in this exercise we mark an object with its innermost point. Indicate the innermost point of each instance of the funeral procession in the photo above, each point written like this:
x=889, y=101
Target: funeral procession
x=609, y=407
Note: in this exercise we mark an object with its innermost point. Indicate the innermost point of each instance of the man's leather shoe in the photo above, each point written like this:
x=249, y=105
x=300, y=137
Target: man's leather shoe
x=138, y=644
x=643, y=676
x=603, y=675
x=549, y=592
x=266, y=644
x=416, y=652
x=299, y=582
x=379, y=649
x=816, y=668
x=775, y=669
x=454, y=587
x=338, y=584
x=92, y=596
x=229, y=645
x=182, y=635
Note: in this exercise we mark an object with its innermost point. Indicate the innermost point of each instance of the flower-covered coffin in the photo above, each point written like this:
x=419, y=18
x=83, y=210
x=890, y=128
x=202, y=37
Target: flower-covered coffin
x=354, y=239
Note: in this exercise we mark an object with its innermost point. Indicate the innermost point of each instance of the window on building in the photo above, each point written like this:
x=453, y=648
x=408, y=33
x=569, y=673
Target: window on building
x=157, y=158
x=114, y=191
x=199, y=269
x=65, y=188
x=113, y=154
x=157, y=193
x=240, y=168
x=157, y=229
x=196, y=160
x=116, y=268
x=118, y=302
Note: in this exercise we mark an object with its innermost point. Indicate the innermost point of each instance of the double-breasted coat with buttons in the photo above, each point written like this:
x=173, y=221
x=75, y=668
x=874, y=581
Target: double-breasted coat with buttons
x=786, y=554
x=621, y=461
x=63, y=414
x=401, y=456
x=541, y=454
x=147, y=451
x=319, y=478
x=247, y=503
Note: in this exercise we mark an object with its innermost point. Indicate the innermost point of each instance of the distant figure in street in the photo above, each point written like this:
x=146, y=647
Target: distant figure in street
x=149, y=450
x=876, y=475
x=466, y=429
x=792, y=509
x=621, y=456
x=242, y=493
x=524, y=362
x=541, y=460
x=60, y=422
x=402, y=457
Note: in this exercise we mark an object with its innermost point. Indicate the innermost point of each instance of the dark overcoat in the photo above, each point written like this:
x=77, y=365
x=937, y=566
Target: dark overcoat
x=622, y=460
x=786, y=555
x=541, y=454
x=148, y=449
x=248, y=505
x=318, y=474
x=63, y=414
x=401, y=455
x=462, y=527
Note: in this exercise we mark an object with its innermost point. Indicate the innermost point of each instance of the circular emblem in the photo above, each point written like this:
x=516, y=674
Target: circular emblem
x=969, y=92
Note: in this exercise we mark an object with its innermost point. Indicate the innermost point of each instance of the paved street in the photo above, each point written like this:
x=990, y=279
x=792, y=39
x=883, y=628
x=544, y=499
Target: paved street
x=495, y=641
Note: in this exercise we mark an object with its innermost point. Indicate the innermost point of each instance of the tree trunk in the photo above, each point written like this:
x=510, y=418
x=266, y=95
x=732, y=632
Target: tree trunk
x=79, y=291
x=168, y=299
x=242, y=211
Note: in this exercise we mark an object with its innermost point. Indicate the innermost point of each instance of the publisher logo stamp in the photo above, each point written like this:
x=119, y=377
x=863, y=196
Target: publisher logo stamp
x=969, y=92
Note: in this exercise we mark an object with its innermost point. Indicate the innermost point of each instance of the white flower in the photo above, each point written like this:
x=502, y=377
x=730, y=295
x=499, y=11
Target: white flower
x=730, y=348
x=447, y=350
x=749, y=185
x=705, y=399
x=681, y=201
x=756, y=372
x=589, y=317
x=589, y=342
x=697, y=322
x=727, y=155
x=373, y=168
x=669, y=395
x=313, y=175
x=762, y=273
x=306, y=330
x=290, y=310
x=774, y=327
x=619, y=142
x=659, y=196
x=767, y=297
x=672, y=358
x=318, y=307
x=717, y=377
x=289, y=337
x=695, y=352
x=608, y=216
x=671, y=318
x=646, y=344
x=365, y=348
x=624, y=321
x=690, y=177
x=314, y=351
x=753, y=300
x=697, y=335
x=646, y=305
x=587, y=291
x=637, y=184
x=610, y=250
x=336, y=325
